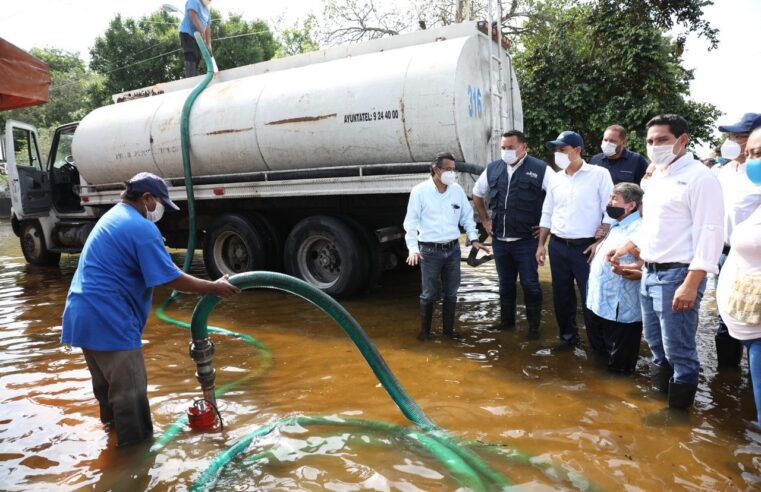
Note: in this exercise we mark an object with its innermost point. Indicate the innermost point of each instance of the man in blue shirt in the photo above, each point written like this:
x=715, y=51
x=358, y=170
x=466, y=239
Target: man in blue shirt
x=613, y=292
x=197, y=18
x=624, y=166
x=110, y=298
x=436, y=210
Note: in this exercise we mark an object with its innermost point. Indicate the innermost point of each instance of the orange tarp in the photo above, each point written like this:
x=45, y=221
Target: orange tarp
x=24, y=80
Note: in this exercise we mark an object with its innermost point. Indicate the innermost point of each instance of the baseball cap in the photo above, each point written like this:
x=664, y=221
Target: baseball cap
x=150, y=183
x=748, y=123
x=566, y=138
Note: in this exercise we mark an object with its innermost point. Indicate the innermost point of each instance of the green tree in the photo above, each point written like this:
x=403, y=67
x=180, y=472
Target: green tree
x=298, y=39
x=586, y=66
x=139, y=53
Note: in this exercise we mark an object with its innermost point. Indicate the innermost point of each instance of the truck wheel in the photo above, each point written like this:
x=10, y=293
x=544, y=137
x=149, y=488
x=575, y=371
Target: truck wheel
x=34, y=248
x=233, y=245
x=372, y=251
x=327, y=253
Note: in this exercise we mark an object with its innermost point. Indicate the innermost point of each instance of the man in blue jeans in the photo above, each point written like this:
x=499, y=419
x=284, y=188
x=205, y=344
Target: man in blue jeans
x=516, y=185
x=680, y=239
x=436, y=210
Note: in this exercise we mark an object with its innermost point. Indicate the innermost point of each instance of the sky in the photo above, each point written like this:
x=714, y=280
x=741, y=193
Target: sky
x=729, y=76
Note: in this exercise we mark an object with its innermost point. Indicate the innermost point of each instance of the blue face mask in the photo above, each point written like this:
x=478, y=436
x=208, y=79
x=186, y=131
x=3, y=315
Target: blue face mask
x=753, y=170
x=721, y=161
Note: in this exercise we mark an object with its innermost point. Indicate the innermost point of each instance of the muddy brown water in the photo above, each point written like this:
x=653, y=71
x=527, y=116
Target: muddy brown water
x=603, y=431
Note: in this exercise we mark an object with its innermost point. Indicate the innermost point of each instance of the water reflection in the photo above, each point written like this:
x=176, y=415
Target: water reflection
x=575, y=424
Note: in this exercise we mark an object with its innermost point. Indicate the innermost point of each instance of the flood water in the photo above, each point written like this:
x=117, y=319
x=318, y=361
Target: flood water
x=601, y=431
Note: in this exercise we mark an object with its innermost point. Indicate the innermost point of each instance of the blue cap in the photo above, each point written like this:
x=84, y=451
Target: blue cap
x=150, y=183
x=566, y=138
x=748, y=123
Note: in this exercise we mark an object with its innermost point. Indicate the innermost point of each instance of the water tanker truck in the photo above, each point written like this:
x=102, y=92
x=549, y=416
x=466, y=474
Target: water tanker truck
x=302, y=164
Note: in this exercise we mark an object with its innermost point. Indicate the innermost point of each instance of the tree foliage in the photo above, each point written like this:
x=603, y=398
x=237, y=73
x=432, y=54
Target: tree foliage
x=298, y=39
x=135, y=53
x=593, y=65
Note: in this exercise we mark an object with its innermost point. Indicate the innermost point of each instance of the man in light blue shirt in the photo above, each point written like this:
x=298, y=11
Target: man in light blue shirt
x=197, y=19
x=436, y=210
x=613, y=292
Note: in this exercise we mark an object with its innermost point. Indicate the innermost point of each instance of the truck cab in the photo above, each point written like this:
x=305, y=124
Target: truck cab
x=46, y=208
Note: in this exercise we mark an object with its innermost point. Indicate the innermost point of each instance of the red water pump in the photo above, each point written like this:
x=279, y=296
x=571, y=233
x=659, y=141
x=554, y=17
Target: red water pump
x=203, y=415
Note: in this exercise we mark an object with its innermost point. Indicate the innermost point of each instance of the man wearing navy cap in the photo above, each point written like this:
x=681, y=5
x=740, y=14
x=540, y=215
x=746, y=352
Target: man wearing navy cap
x=109, y=300
x=741, y=199
x=573, y=210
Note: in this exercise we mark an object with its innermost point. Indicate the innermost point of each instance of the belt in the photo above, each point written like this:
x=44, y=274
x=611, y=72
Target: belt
x=726, y=249
x=451, y=244
x=584, y=241
x=655, y=267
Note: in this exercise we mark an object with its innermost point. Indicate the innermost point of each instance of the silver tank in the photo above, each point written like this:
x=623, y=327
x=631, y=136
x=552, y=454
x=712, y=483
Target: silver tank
x=394, y=106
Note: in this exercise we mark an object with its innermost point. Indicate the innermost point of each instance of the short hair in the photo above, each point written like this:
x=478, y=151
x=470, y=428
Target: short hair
x=131, y=194
x=618, y=128
x=630, y=192
x=677, y=125
x=440, y=158
x=517, y=134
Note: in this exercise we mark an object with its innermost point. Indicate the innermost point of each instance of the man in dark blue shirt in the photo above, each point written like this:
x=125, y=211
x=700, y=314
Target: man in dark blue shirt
x=624, y=165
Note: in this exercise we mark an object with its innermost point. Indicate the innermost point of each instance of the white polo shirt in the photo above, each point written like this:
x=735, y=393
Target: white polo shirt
x=682, y=216
x=575, y=205
x=741, y=196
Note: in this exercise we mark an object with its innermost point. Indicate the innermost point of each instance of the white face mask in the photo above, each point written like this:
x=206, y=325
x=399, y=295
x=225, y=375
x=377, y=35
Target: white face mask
x=157, y=213
x=206, y=3
x=730, y=149
x=448, y=177
x=509, y=156
x=608, y=148
x=661, y=154
x=562, y=160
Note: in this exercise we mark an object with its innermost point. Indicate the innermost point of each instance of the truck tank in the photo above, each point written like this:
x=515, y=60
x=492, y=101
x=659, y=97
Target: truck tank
x=391, y=106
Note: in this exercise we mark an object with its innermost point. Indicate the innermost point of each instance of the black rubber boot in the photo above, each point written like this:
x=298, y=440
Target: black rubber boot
x=448, y=312
x=729, y=350
x=534, y=317
x=660, y=377
x=681, y=395
x=426, y=315
x=506, y=315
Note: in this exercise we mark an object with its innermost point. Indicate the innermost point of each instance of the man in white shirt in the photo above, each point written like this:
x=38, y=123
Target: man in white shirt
x=680, y=240
x=573, y=210
x=516, y=185
x=741, y=198
x=436, y=210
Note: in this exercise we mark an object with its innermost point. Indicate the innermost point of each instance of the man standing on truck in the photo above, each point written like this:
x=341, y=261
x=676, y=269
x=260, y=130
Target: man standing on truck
x=109, y=300
x=516, y=185
x=197, y=18
x=436, y=210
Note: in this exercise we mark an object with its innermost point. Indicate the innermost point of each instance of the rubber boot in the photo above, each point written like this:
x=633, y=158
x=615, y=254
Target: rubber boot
x=660, y=377
x=506, y=315
x=448, y=312
x=729, y=351
x=534, y=317
x=681, y=395
x=426, y=315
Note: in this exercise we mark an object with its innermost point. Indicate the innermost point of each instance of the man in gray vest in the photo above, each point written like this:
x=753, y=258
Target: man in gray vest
x=515, y=186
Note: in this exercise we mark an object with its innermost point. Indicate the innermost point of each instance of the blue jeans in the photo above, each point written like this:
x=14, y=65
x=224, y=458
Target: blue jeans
x=670, y=334
x=443, y=265
x=514, y=258
x=754, y=362
x=569, y=263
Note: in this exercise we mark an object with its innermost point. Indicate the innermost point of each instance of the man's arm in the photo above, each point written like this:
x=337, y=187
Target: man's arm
x=482, y=214
x=467, y=222
x=197, y=23
x=190, y=284
x=411, y=223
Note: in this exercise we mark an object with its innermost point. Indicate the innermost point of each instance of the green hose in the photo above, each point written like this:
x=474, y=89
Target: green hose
x=465, y=474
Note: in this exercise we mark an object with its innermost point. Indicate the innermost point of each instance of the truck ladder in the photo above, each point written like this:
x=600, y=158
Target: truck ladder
x=498, y=106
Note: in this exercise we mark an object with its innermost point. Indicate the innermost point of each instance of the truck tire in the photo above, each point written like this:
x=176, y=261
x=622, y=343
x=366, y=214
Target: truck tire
x=233, y=245
x=34, y=248
x=372, y=250
x=327, y=253
x=273, y=244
